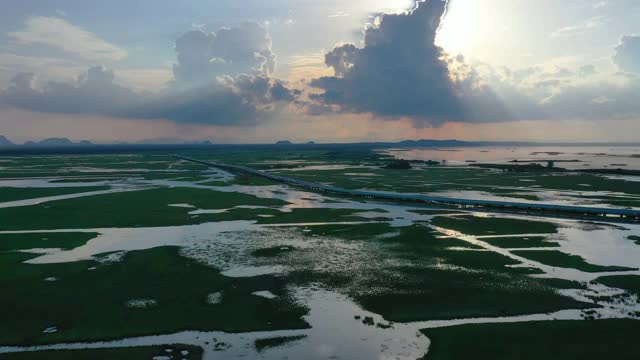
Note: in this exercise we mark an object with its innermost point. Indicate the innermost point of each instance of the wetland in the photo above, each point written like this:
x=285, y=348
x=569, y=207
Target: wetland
x=144, y=256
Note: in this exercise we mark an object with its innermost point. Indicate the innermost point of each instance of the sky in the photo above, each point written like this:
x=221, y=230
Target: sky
x=255, y=71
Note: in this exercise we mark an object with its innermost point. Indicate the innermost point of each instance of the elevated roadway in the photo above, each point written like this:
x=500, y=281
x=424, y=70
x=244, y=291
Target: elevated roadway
x=600, y=213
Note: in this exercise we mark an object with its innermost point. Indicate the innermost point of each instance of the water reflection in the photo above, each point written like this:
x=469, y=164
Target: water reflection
x=586, y=157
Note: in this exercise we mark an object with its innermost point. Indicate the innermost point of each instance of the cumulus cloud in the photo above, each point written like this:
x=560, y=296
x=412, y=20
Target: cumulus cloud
x=62, y=35
x=241, y=100
x=400, y=72
x=237, y=101
x=221, y=78
x=627, y=54
x=93, y=93
x=203, y=56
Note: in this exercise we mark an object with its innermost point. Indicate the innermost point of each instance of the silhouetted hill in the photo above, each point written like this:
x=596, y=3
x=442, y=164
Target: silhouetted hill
x=57, y=142
x=4, y=142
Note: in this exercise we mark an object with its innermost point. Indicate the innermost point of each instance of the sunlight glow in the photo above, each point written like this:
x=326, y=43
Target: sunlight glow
x=465, y=27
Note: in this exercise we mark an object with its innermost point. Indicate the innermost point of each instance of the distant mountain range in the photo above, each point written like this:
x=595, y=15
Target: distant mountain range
x=164, y=143
x=51, y=142
x=4, y=142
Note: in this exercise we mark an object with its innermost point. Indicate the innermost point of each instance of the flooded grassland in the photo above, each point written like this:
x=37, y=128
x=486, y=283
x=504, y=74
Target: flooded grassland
x=144, y=256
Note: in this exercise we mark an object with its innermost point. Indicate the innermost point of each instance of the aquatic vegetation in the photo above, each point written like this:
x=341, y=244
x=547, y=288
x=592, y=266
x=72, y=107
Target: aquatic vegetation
x=263, y=344
x=520, y=242
x=595, y=340
x=560, y=259
x=165, y=352
x=17, y=193
x=93, y=304
x=58, y=240
x=474, y=225
x=244, y=267
x=127, y=209
x=631, y=283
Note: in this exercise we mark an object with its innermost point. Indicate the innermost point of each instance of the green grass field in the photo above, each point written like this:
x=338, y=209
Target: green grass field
x=553, y=340
x=404, y=273
x=89, y=305
x=145, y=352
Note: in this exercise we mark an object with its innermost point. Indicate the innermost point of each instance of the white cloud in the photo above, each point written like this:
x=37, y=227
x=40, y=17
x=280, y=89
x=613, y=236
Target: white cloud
x=580, y=28
x=48, y=67
x=152, y=80
x=627, y=54
x=600, y=5
x=339, y=14
x=62, y=35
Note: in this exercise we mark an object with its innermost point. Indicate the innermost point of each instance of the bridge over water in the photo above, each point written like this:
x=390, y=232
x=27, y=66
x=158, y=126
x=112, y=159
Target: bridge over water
x=599, y=213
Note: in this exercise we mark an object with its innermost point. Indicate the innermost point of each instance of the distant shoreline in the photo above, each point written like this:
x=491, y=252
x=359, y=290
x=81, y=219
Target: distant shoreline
x=418, y=144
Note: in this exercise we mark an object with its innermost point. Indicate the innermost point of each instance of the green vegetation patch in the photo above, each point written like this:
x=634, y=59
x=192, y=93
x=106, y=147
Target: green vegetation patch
x=215, y=183
x=520, y=242
x=186, y=352
x=314, y=215
x=431, y=293
x=264, y=344
x=630, y=283
x=635, y=238
x=553, y=340
x=13, y=194
x=411, y=274
x=77, y=180
x=273, y=251
x=564, y=260
x=126, y=209
x=252, y=181
x=25, y=241
x=473, y=225
x=152, y=291
x=435, y=211
x=297, y=215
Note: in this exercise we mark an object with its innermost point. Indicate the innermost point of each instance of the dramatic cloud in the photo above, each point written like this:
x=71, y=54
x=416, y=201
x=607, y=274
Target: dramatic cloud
x=220, y=78
x=202, y=57
x=60, y=34
x=627, y=54
x=93, y=93
x=241, y=100
x=400, y=72
x=237, y=101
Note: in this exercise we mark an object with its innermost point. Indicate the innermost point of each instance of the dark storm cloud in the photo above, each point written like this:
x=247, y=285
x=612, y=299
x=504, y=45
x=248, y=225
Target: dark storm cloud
x=400, y=72
x=220, y=78
x=627, y=54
